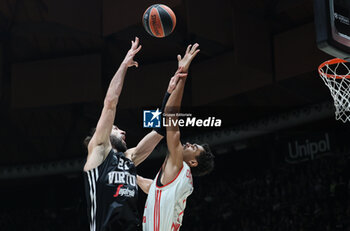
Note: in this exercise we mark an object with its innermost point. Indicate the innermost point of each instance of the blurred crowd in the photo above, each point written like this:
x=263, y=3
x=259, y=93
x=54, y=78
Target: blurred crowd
x=311, y=195
x=50, y=219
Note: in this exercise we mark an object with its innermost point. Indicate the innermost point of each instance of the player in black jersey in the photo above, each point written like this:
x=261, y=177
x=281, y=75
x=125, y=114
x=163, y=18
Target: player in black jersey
x=110, y=168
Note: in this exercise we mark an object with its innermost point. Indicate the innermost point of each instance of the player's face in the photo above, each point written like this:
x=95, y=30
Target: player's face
x=118, y=138
x=190, y=152
x=120, y=134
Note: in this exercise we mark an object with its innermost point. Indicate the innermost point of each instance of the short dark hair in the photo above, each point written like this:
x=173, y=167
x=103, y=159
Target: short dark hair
x=88, y=138
x=205, y=162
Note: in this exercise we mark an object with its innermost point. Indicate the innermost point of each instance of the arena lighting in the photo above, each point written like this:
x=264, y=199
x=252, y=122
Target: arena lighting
x=240, y=146
x=225, y=136
x=222, y=150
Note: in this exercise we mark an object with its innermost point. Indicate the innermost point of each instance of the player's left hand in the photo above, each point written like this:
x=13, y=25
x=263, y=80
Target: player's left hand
x=191, y=52
x=129, y=58
x=173, y=81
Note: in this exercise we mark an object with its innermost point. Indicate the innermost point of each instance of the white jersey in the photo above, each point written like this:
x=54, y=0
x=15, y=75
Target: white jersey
x=165, y=205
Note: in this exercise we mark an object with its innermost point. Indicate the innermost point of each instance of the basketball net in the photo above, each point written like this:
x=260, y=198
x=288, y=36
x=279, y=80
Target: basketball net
x=335, y=73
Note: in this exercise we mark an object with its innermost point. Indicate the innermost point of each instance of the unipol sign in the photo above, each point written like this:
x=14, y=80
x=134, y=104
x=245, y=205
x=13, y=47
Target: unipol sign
x=308, y=149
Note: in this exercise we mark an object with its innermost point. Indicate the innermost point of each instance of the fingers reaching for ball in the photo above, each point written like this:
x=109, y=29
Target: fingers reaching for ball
x=135, y=48
x=190, y=53
x=135, y=45
x=194, y=48
x=188, y=49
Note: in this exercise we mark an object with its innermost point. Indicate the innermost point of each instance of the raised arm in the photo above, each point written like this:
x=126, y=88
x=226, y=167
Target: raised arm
x=173, y=107
x=144, y=183
x=139, y=153
x=99, y=145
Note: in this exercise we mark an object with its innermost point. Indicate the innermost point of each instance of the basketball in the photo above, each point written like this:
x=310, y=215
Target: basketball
x=159, y=20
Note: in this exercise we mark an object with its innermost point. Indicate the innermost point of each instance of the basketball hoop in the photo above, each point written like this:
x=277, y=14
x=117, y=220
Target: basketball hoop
x=335, y=73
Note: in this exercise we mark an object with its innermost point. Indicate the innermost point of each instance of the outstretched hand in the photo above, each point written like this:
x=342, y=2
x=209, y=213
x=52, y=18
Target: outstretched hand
x=129, y=58
x=191, y=52
x=173, y=81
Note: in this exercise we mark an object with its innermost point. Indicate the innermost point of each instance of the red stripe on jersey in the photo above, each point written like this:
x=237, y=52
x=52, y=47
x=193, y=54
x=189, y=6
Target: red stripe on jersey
x=155, y=212
x=156, y=223
x=160, y=194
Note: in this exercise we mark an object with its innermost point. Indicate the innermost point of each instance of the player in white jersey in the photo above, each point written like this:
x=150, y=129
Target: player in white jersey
x=168, y=192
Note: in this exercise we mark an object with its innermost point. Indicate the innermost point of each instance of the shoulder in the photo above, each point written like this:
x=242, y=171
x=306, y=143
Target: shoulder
x=96, y=157
x=130, y=153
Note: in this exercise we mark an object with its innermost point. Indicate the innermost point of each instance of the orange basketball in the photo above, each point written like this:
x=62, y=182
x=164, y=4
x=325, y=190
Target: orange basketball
x=159, y=20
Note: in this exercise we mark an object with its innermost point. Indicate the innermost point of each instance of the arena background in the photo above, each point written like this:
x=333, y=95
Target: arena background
x=281, y=158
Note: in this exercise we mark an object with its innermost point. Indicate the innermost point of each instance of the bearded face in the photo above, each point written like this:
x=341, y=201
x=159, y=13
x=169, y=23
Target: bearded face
x=118, y=143
x=118, y=138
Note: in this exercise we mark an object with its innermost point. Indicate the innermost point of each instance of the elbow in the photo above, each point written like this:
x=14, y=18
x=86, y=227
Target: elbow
x=110, y=102
x=173, y=135
x=171, y=110
x=177, y=135
x=147, y=187
x=166, y=110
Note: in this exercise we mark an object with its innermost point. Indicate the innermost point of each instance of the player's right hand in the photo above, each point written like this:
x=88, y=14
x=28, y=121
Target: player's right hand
x=191, y=52
x=173, y=81
x=129, y=58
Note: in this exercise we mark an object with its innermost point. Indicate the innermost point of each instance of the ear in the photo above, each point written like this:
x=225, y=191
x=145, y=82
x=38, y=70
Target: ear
x=193, y=163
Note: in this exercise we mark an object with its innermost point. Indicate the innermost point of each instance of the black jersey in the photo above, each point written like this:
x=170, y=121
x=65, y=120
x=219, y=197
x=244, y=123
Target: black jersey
x=111, y=193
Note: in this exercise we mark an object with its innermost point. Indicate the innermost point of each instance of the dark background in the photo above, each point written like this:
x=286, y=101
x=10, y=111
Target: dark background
x=257, y=71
